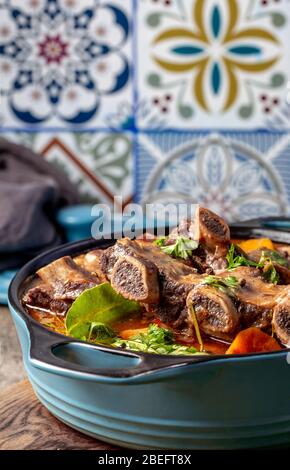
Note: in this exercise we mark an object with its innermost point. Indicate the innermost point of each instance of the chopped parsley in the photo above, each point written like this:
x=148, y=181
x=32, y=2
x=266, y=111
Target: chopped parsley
x=237, y=261
x=181, y=247
x=156, y=341
x=276, y=258
x=227, y=285
x=269, y=271
x=265, y=263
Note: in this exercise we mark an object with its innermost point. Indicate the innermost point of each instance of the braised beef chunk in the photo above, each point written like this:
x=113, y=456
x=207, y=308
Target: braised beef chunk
x=281, y=321
x=145, y=250
x=91, y=263
x=284, y=250
x=175, y=287
x=62, y=282
x=216, y=262
x=212, y=231
x=253, y=288
x=253, y=315
x=179, y=284
x=63, y=270
x=279, y=260
x=72, y=289
x=251, y=304
x=254, y=302
x=206, y=227
x=42, y=297
x=66, y=278
x=215, y=311
x=136, y=279
x=213, y=236
x=171, y=308
x=255, y=298
x=172, y=278
x=110, y=256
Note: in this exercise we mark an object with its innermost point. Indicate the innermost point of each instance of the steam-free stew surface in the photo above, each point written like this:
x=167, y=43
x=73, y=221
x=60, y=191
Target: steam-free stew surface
x=136, y=324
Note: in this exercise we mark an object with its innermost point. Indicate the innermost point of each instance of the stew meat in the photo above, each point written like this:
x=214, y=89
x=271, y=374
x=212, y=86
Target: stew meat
x=195, y=282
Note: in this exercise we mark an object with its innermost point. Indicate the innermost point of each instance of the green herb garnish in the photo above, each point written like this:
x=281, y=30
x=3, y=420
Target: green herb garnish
x=160, y=241
x=227, y=285
x=237, y=261
x=94, y=307
x=196, y=327
x=276, y=257
x=266, y=263
x=181, y=248
x=269, y=271
x=156, y=341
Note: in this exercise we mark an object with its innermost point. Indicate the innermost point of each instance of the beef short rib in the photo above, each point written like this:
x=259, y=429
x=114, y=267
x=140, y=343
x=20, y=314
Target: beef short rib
x=62, y=282
x=215, y=311
x=159, y=281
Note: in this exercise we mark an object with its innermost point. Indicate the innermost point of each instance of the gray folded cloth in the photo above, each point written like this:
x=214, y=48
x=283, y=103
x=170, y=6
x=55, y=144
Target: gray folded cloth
x=31, y=191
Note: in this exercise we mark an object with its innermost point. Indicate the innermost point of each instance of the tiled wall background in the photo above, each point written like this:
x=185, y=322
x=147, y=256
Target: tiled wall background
x=159, y=100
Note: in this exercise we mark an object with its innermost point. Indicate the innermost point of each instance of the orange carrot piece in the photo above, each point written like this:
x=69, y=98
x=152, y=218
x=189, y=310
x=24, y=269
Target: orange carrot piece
x=253, y=340
x=256, y=244
x=127, y=334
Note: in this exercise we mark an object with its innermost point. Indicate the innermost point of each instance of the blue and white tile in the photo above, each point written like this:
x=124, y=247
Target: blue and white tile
x=99, y=164
x=64, y=63
x=214, y=64
x=237, y=174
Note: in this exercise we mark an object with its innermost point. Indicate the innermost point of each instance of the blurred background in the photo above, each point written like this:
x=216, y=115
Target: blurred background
x=151, y=100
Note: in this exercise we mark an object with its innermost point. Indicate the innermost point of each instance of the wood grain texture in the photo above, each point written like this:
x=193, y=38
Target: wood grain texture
x=25, y=424
x=11, y=364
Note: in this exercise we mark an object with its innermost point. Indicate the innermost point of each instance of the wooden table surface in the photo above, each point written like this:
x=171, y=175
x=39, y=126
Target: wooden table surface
x=11, y=363
x=26, y=425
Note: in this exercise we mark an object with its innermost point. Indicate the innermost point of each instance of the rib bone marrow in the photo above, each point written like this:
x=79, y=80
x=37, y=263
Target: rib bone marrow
x=216, y=313
x=136, y=279
x=169, y=286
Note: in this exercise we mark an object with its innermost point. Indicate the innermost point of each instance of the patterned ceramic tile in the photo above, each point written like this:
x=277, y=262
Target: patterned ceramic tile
x=142, y=74
x=237, y=174
x=99, y=164
x=64, y=62
x=218, y=64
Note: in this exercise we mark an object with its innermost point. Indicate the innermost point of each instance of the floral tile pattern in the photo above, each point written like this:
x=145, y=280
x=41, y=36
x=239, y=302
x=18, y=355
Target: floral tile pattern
x=99, y=164
x=214, y=63
x=224, y=171
x=166, y=99
x=63, y=62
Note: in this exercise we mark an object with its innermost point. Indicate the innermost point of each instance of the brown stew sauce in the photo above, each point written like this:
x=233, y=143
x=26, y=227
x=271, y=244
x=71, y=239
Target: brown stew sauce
x=57, y=323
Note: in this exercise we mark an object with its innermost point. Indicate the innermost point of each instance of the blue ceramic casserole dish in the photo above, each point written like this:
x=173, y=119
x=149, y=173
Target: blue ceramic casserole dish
x=148, y=401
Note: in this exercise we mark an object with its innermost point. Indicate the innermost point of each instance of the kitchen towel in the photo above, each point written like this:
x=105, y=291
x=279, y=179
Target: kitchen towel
x=31, y=192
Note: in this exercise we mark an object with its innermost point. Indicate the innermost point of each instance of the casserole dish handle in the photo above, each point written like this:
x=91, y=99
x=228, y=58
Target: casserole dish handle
x=76, y=359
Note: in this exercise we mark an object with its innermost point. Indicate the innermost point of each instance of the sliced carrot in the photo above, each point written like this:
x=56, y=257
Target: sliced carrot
x=252, y=340
x=256, y=244
x=127, y=334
